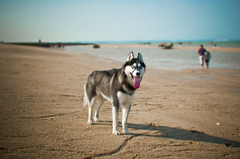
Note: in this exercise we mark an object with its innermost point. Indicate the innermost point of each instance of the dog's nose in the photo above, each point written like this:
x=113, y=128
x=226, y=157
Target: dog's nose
x=138, y=74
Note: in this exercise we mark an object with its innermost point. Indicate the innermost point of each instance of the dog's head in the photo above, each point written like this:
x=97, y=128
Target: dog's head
x=134, y=69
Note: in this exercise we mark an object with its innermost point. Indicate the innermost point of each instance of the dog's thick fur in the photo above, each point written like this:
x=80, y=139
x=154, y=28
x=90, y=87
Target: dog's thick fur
x=117, y=86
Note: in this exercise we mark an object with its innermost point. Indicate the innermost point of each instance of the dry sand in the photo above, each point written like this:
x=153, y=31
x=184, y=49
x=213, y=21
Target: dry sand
x=175, y=114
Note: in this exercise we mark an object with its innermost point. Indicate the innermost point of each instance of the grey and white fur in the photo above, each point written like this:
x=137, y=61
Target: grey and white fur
x=117, y=86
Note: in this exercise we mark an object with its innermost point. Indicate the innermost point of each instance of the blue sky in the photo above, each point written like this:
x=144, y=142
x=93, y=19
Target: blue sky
x=123, y=20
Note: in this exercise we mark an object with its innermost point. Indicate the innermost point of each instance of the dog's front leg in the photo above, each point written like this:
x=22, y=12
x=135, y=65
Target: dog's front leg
x=125, y=113
x=90, y=121
x=115, y=110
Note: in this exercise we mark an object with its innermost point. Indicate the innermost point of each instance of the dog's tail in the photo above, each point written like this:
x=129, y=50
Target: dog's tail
x=85, y=97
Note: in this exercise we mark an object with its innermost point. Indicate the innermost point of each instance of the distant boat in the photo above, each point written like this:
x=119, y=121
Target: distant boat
x=165, y=46
x=168, y=46
x=96, y=46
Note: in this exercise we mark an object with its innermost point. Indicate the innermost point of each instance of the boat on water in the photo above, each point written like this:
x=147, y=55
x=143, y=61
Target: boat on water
x=166, y=46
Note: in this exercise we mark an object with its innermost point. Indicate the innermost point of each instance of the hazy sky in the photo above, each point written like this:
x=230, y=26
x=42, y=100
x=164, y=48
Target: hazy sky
x=112, y=20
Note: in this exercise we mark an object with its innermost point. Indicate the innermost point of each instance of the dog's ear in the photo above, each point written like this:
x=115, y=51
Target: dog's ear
x=140, y=58
x=130, y=56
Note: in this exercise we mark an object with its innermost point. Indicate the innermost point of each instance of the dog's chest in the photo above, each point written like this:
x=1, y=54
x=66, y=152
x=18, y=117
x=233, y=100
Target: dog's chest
x=124, y=98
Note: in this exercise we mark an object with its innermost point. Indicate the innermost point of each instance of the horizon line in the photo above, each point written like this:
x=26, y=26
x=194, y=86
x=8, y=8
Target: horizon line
x=128, y=41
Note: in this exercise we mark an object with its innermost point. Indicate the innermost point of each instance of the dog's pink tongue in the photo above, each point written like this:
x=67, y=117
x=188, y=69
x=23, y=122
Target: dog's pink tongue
x=136, y=82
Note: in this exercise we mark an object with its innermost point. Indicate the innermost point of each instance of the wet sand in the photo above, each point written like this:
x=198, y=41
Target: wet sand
x=181, y=47
x=175, y=114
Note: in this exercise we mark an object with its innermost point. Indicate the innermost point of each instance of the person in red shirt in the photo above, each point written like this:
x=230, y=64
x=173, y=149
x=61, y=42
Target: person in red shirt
x=201, y=53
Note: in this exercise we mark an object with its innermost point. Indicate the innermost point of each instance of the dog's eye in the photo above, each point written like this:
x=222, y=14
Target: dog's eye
x=139, y=66
x=134, y=65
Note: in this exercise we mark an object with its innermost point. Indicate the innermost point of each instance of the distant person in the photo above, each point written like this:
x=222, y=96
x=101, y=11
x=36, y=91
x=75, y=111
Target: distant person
x=207, y=58
x=201, y=53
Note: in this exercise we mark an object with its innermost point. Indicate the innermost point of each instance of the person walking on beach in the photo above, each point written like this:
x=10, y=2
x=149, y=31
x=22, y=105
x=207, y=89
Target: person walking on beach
x=201, y=53
x=207, y=58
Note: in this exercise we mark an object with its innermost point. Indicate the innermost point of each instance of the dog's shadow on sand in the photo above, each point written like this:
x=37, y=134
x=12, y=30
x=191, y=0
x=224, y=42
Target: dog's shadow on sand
x=151, y=130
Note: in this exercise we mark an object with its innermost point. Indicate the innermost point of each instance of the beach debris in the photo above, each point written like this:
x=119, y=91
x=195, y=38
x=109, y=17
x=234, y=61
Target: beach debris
x=218, y=124
x=196, y=132
x=152, y=124
x=228, y=144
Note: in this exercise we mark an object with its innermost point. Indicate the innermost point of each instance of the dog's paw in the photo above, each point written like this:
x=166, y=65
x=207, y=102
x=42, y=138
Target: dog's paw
x=127, y=132
x=96, y=119
x=90, y=122
x=115, y=132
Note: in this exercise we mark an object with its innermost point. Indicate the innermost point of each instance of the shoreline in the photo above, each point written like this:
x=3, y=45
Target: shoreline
x=178, y=58
x=189, y=113
x=181, y=47
x=47, y=44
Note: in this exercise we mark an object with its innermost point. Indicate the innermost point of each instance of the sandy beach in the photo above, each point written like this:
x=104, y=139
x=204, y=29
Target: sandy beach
x=175, y=114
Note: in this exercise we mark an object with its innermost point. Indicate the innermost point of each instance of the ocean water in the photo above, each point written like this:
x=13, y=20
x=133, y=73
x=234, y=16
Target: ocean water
x=172, y=59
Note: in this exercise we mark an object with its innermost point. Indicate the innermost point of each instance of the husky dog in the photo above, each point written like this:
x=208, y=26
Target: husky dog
x=117, y=86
